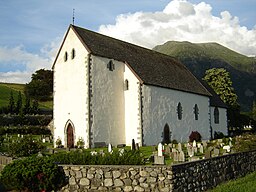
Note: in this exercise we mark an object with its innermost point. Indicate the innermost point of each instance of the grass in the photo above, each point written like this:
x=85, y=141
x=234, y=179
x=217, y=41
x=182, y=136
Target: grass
x=245, y=184
x=5, y=91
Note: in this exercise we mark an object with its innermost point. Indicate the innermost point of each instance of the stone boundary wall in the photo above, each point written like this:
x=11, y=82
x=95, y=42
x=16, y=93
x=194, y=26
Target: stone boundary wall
x=192, y=176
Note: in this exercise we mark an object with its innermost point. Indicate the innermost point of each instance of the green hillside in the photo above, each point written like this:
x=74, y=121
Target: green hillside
x=208, y=50
x=203, y=56
x=5, y=91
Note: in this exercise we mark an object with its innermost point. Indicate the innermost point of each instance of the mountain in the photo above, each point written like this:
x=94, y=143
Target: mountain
x=198, y=57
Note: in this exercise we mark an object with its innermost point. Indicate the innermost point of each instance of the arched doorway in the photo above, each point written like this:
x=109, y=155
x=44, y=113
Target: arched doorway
x=70, y=136
x=166, y=134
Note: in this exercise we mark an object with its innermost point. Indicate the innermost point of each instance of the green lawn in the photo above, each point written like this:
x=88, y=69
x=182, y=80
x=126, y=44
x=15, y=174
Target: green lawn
x=244, y=184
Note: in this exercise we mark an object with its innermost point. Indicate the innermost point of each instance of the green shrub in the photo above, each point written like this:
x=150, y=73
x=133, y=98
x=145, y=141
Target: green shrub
x=195, y=136
x=25, y=147
x=33, y=174
x=24, y=130
x=245, y=142
x=83, y=157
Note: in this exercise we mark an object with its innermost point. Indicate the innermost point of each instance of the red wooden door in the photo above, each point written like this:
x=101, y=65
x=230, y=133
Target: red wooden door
x=70, y=136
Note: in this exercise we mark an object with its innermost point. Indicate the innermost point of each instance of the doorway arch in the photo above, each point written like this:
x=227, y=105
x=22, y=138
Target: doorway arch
x=70, y=134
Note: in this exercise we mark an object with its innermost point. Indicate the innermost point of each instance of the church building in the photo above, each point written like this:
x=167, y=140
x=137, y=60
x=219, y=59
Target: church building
x=110, y=91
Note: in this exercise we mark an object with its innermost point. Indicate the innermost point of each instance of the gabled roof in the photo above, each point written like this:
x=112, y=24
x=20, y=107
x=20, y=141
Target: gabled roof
x=215, y=100
x=152, y=68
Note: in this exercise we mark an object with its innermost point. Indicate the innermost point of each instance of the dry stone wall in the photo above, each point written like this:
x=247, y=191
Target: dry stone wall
x=192, y=176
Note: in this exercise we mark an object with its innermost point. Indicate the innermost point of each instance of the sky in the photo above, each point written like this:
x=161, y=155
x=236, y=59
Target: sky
x=32, y=30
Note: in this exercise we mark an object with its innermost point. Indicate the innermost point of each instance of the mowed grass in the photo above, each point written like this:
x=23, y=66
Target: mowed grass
x=5, y=92
x=244, y=184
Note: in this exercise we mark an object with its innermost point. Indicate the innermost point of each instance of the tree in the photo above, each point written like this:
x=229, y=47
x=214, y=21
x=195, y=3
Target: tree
x=11, y=105
x=27, y=107
x=19, y=104
x=220, y=81
x=35, y=105
x=41, y=85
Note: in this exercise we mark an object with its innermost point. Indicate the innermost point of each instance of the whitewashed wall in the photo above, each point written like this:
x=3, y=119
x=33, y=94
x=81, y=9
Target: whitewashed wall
x=160, y=107
x=222, y=126
x=132, y=108
x=107, y=101
x=70, y=90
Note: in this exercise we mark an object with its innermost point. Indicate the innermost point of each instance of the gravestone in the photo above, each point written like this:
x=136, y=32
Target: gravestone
x=216, y=152
x=120, y=145
x=227, y=148
x=181, y=156
x=160, y=150
x=201, y=149
x=101, y=152
x=176, y=156
x=194, y=158
x=43, y=140
x=109, y=148
x=179, y=147
x=167, y=150
x=194, y=143
x=207, y=154
x=174, y=150
x=204, y=143
x=121, y=152
x=190, y=152
x=137, y=147
x=133, y=147
x=158, y=160
x=47, y=139
x=199, y=145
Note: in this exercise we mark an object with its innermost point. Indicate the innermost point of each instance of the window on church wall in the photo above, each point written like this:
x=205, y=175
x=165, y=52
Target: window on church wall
x=196, y=112
x=73, y=54
x=126, y=85
x=216, y=115
x=179, y=111
x=66, y=56
x=111, y=65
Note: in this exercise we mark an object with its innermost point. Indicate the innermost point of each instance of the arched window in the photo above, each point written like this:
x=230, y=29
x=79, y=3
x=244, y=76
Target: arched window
x=65, y=56
x=111, y=65
x=196, y=112
x=126, y=85
x=73, y=54
x=216, y=115
x=179, y=111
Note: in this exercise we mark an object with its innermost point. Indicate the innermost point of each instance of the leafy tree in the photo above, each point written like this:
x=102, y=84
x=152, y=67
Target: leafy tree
x=11, y=105
x=41, y=85
x=219, y=79
x=19, y=104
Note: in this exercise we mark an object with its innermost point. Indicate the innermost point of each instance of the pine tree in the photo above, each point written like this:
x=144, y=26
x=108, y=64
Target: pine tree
x=11, y=105
x=19, y=104
x=27, y=108
x=35, y=105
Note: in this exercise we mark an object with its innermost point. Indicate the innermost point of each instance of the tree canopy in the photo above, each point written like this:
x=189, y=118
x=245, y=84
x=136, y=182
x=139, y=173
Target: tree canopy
x=220, y=81
x=41, y=85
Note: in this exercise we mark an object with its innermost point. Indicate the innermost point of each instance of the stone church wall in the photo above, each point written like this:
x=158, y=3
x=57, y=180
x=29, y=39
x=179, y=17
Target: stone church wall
x=192, y=176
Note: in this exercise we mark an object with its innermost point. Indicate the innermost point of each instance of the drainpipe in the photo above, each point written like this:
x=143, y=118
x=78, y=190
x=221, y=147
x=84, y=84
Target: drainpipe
x=89, y=100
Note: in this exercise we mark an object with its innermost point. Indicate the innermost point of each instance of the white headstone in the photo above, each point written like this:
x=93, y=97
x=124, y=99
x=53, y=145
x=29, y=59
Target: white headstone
x=179, y=147
x=160, y=150
x=227, y=148
x=109, y=148
x=181, y=156
x=201, y=149
x=194, y=143
x=43, y=140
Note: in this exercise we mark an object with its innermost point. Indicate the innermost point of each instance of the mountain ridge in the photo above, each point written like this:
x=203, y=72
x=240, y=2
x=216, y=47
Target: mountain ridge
x=199, y=57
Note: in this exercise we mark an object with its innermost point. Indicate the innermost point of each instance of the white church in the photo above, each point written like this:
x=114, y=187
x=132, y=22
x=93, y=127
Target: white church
x=110, y=91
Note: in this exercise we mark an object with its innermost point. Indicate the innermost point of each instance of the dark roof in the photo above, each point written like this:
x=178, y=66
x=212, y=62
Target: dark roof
x=151, y=67
x=215, y=99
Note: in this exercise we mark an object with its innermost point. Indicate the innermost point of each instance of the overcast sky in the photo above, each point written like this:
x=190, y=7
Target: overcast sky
x=31, y=30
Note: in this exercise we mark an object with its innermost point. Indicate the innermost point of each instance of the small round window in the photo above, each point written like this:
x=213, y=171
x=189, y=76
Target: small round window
x=65, y=56
x=73, y=54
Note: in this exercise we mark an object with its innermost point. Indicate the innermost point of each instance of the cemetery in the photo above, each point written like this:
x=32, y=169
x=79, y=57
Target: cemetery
x=163, y=167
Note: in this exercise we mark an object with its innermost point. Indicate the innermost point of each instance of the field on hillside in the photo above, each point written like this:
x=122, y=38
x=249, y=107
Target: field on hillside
x=5, y=91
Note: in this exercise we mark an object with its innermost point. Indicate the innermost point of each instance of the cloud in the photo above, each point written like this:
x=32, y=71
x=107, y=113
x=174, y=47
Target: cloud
x=181, y=20
x=23, y=63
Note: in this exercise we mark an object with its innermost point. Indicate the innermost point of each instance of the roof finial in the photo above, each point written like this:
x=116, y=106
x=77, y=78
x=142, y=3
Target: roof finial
x=73, y=16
